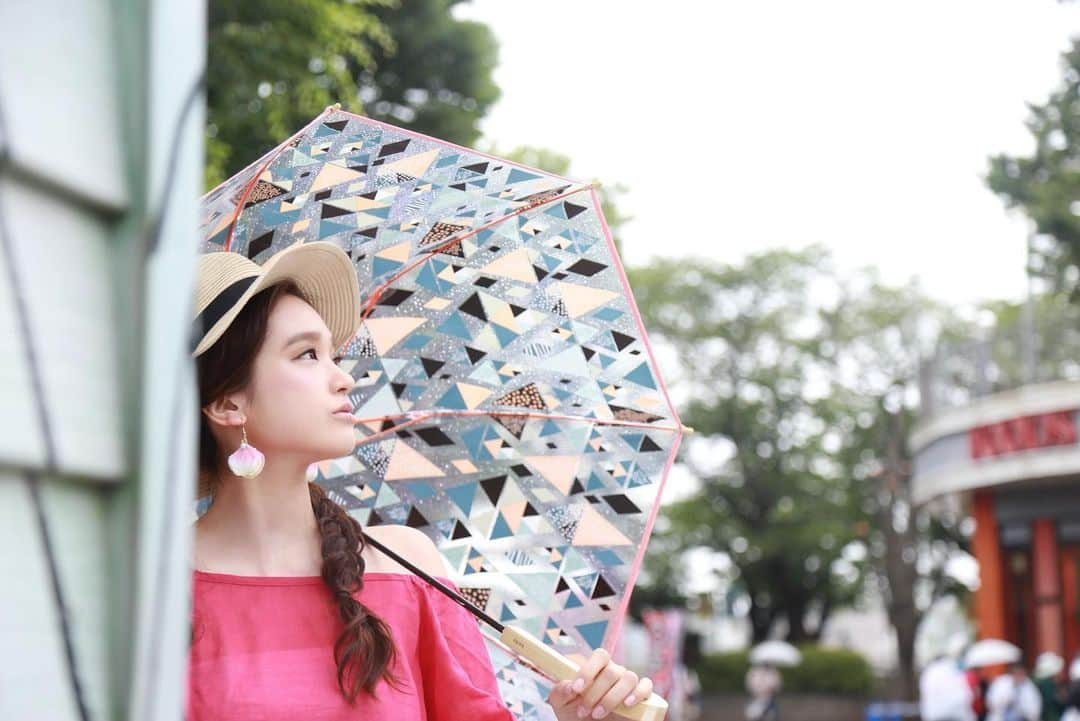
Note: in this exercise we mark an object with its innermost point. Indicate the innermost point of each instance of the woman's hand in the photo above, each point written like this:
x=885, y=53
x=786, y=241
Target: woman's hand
x=599, y=688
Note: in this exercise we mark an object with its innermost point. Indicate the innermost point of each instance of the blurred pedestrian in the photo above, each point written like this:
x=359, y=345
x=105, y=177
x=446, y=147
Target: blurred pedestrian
x=763, y=684
x=1071, y=711
x=977, y=684
x=944, y=694
x=1048, y=668
x=1013, y=696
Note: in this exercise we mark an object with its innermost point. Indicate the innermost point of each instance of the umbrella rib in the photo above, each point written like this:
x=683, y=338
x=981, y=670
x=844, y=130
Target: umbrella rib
x=439, y=141
x=255, y=178
x=373, y=298
x=423, y=416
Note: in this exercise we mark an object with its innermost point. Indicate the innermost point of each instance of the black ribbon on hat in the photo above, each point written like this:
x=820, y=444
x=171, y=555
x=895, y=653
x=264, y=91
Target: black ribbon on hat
x=218, y=307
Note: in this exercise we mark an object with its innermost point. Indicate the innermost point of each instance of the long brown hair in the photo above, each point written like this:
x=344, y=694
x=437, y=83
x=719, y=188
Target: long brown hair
x=364, y=651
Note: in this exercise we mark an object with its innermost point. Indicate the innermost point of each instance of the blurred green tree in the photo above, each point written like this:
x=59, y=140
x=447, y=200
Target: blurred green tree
x=1046, y=185
x=884, y=334
x=802, y=385
x=437, y=77
x=275, y=64
x=756, y=371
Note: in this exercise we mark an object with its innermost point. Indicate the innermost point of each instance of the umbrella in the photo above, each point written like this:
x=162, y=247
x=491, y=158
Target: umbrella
x=1048, y=665
x=991, y=652
x=775, y=653
x=511, y=405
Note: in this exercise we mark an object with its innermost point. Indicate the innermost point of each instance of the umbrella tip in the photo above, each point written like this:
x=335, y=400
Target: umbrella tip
x=687, y=431
x=336, y=106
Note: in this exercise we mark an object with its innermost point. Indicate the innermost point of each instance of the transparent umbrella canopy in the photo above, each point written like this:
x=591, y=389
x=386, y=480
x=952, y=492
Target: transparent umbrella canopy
x=510, y=403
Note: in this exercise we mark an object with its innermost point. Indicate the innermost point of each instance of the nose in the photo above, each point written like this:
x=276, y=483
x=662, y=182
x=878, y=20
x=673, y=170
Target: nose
x=343, y=382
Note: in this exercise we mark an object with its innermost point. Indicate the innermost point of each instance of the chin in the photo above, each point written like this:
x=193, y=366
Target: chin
x=343, y=447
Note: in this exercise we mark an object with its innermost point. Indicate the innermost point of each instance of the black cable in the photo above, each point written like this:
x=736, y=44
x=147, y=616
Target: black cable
x=150, y=246
x=438, y=585
x=33, y=479
x=153, y=233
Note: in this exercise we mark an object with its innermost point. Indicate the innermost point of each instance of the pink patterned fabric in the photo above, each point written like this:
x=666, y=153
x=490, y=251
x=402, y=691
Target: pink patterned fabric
x=263, y=649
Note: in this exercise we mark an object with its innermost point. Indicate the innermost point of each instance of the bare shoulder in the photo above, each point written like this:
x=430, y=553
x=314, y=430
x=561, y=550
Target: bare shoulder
x=407, y=542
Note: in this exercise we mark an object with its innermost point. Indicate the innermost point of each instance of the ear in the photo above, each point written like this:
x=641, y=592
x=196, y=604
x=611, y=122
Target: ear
x=227, y=411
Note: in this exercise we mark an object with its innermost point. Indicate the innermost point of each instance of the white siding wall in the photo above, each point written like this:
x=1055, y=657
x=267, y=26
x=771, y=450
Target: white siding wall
x=90, y=95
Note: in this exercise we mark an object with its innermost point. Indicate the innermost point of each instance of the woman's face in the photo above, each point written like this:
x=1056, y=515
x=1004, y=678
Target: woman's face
x=297, y=390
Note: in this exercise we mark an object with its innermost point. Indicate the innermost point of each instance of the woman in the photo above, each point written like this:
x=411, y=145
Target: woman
x=293, y=614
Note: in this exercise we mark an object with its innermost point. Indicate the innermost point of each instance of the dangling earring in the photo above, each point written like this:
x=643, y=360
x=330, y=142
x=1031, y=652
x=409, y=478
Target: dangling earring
x=312, y=473
x=246, y=461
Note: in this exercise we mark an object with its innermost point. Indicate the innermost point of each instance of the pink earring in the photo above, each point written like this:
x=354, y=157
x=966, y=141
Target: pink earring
x=312, y=473
x=246, y=461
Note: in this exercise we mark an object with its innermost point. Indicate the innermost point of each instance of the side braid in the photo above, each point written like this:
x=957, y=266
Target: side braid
x=364, y=651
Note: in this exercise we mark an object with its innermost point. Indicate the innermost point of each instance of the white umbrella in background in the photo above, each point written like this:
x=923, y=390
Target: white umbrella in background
x=1048, y=665
x=775, y=653
x=991, y=652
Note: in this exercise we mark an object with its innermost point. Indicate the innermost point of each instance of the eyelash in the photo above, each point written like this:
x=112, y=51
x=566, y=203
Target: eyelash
x=337, y=359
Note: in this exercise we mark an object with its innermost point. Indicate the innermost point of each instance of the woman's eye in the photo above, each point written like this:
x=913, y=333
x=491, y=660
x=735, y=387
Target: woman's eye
x=337, y=359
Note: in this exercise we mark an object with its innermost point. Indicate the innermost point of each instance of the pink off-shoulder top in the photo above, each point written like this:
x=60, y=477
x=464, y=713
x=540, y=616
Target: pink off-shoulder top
x=262, y=650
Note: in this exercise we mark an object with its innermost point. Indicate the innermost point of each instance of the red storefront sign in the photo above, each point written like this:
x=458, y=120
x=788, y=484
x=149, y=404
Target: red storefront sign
x=1022, y=434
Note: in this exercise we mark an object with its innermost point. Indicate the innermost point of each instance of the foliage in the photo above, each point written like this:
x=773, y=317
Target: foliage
x=1046, y=185
x=275, y=64
x=436, y=79
x=823, y=670
x=752, y=366
x=1032, y=341
x=795, y=378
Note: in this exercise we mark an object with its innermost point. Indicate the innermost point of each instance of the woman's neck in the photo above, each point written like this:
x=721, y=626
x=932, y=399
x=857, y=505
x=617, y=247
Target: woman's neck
x=261, y=526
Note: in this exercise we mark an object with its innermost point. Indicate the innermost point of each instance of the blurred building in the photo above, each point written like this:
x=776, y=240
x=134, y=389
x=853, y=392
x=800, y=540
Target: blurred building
x=998, y=436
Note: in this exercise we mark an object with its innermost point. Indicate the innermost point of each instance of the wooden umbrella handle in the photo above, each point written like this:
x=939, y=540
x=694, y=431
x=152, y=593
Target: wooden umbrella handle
x=561, y=668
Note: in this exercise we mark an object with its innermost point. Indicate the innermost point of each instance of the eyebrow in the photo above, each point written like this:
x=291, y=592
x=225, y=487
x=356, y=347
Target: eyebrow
x=308, y=335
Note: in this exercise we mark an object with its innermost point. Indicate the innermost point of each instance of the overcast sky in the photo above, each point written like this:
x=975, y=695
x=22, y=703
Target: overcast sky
x=858, y=124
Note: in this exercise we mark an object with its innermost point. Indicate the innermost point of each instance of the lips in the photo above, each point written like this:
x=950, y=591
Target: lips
x=343, y=408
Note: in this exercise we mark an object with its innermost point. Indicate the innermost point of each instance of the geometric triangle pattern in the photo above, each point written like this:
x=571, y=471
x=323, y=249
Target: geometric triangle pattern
x=511, y=406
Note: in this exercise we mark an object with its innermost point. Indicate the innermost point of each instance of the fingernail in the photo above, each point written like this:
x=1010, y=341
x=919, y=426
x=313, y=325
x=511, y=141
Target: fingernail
x=598, y=712
x=582, y=712
x=578, y=685
x=630, y=700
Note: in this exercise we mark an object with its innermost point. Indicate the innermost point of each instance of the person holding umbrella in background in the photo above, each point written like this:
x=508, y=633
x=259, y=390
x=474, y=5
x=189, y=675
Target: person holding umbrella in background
x=981, y=657
x=1048, y=667
x=763, y=684
x=1071, y=707
x=944, y=692
x=763, y=680
x=1013, y=696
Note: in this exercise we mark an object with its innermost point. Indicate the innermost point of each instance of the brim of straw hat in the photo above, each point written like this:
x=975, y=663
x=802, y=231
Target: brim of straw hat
x=322, y=271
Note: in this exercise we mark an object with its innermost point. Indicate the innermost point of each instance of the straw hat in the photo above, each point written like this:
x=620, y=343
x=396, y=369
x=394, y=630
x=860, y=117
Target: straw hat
x=225, y=282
